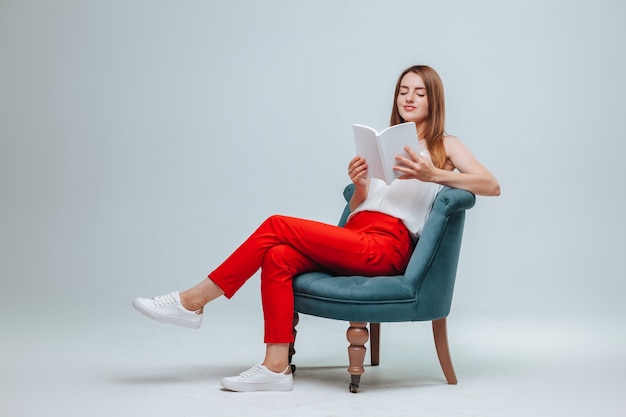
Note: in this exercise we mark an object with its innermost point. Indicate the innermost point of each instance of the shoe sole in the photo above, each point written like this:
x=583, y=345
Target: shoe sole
x=233, y=386
x=164, y=319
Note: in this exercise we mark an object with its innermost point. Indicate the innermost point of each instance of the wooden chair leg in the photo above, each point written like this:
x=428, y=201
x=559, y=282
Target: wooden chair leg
x=375, y=343
x=357, y=335
x=292, y=349
x=440, y=333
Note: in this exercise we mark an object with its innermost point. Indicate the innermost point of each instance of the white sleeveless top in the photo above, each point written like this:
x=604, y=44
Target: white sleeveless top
x=407, y=200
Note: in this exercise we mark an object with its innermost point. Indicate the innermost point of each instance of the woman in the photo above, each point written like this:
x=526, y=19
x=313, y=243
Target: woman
x=376, y=240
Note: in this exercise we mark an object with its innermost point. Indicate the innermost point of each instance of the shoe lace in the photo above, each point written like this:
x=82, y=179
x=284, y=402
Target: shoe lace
x=254, y=370
x=165, y=300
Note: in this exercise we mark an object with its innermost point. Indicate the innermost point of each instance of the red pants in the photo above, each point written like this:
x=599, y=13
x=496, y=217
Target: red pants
x=370, y=244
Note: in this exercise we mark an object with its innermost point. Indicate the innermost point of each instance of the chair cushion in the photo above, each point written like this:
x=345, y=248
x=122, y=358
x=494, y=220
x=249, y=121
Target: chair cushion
x=353, y=289
x=354, y=298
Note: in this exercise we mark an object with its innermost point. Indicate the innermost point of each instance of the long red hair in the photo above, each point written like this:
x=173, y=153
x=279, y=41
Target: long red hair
x=435, y=123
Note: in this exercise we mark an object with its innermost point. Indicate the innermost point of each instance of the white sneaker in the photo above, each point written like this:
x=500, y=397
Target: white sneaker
x=259, y=378
x=168, y=309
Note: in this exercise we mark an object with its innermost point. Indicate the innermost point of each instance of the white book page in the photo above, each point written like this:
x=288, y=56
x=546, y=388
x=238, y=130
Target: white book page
x=392, y=143
x=366, y=144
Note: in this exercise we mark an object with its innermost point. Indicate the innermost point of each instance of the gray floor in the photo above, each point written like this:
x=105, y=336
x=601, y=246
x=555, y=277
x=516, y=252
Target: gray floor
x=110, y=361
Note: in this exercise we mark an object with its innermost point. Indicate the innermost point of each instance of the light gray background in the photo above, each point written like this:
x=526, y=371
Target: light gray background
x=142, y=141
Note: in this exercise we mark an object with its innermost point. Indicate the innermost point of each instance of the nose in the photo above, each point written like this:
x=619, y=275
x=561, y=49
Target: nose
x=410, y=98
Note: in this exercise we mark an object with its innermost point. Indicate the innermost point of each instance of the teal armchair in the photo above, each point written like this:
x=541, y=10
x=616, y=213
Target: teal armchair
x=423, y=293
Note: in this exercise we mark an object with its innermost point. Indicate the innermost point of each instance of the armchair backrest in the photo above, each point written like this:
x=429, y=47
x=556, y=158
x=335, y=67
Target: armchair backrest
x=431, y=271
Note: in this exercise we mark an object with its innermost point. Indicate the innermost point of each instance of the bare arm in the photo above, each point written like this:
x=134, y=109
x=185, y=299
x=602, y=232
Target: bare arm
x=471, y=175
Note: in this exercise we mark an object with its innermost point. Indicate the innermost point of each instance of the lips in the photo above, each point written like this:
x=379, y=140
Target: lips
x=409, y=108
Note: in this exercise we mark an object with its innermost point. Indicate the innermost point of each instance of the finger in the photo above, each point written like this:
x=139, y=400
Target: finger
x=406, y=163
x=351, y=167
x=414, y=155
x=401, y=159
x=352, y=162
x=359, y=173
x=403, y=168
x=356, y=160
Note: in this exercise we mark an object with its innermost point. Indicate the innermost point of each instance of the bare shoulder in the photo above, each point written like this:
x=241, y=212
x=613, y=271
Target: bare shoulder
x=454, y=146
x=451, y=141
x=451, y=145
x=459, y=156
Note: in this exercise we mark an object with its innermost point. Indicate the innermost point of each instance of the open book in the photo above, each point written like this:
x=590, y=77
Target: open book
x=380, y=149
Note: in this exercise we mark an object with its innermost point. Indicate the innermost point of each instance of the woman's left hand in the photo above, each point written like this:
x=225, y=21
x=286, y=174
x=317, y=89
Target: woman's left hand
x=418, y=167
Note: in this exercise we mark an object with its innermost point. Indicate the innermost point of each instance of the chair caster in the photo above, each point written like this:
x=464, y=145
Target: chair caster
x=354, y=384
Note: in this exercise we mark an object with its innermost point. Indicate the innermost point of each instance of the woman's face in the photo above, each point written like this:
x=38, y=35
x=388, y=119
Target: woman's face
x=411, y=101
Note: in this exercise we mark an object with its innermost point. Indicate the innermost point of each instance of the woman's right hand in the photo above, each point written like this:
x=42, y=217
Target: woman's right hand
x=357, y=170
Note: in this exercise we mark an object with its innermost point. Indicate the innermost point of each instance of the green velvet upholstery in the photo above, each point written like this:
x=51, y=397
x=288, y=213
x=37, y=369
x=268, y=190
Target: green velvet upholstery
x=423, y=293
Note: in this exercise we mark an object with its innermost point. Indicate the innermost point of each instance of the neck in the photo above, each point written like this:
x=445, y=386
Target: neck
x=421, y=131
